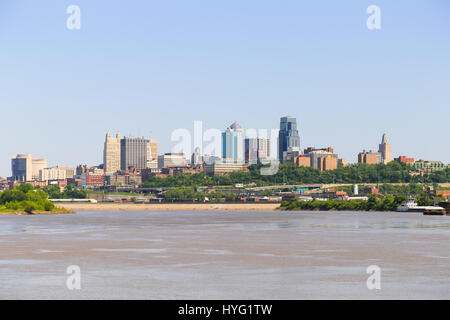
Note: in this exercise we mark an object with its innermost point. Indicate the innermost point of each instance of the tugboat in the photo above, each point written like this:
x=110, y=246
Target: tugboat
x=411, y=206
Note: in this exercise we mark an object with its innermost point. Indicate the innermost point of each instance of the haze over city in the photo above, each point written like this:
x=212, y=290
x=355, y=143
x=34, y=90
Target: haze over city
x=152, y=67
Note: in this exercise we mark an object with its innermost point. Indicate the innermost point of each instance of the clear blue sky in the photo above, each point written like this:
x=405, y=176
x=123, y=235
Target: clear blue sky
x=149, y=67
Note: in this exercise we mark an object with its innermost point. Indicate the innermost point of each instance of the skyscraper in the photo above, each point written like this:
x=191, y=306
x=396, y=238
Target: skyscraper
x=134, y=153
x=288, y=138
x=196, y=158
x=257, y=150
x=153, y=150
x=121, y=153
x=152, y=154
x=22, y=167
x=385, y=150
x=111, y=153
x=25, y=168
x=38, y=165
x=233, y=143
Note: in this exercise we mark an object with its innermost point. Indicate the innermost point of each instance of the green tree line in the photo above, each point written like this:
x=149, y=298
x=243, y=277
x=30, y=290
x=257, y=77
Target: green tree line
x=188, y=194
x=289, y=173
x=70, y=192
x=387, y=202
x=374, y=203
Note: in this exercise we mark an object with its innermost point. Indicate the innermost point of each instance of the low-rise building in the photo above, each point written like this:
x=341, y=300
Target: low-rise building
x=92, y=180
x=38, y=183
x=54, y=173
x=4, y=184
x=171, y=160
x=123, y=179
x=75, y=181
x=404, y=159
x=219, y=168
x=370, y=190
x=175, y=171
x=62, y=183
x=428, y=166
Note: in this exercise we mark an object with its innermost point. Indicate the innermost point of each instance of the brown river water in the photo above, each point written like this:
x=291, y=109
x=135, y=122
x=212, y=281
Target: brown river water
x=225, y=255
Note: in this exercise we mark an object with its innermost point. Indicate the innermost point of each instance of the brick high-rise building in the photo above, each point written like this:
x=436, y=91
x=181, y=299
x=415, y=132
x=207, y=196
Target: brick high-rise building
x=317, y=157
x=369, y=157
x=327, y=162
x=303, y=161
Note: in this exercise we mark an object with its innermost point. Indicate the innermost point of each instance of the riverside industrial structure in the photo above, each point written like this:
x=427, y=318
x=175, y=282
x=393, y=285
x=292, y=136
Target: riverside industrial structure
x=128, y=161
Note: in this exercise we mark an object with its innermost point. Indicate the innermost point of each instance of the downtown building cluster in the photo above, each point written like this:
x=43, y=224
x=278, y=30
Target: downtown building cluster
x=128, y=161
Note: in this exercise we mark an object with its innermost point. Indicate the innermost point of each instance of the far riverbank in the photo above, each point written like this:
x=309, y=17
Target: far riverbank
x=168, y=206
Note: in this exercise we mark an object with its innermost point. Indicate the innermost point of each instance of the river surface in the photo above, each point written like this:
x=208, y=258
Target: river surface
x=225, y=255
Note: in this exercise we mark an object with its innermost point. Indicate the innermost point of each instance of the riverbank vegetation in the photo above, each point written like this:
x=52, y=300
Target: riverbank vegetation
x=187, y=194
x=388, y=202
x=374, y=203
x=70, y=192
x=28, y=200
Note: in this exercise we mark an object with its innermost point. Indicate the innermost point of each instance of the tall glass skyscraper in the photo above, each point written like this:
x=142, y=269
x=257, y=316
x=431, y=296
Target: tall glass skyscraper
x=233, y=143
x=288, y=138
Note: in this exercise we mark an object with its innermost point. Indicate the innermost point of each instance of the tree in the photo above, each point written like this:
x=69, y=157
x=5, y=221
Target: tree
x=424, y=200
x=53, y=192
x=25, y=187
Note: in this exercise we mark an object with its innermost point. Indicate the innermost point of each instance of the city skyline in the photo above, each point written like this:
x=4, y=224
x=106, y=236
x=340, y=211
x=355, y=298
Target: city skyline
x=345, y=84
x=127, y=154
x=119, y=139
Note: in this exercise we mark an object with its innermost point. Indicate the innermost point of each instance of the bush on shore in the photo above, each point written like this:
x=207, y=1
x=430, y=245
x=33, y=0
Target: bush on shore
x=25, y=198
x=375, y=203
